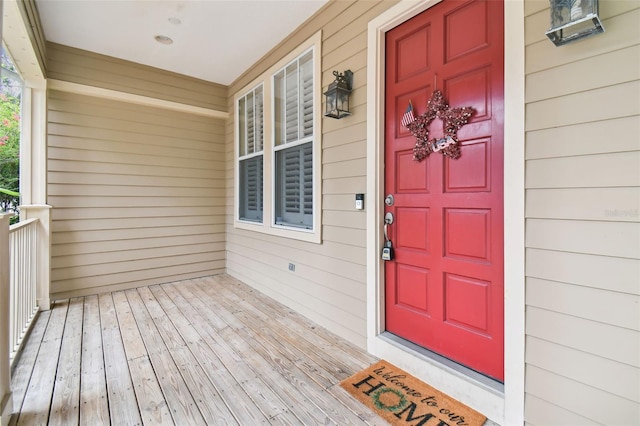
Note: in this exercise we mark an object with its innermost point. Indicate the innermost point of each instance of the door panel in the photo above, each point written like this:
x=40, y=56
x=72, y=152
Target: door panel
x=444, y=288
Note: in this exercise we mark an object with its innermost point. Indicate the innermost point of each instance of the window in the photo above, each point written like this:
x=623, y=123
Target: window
x=251, y=158
x=278, y=148
x=293, y=124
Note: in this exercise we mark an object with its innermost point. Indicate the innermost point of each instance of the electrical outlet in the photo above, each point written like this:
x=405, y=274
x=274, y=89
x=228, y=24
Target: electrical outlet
x=292, y=267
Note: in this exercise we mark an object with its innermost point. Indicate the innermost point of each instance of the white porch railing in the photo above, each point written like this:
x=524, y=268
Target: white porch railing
x=23, y=239
x=25, y=276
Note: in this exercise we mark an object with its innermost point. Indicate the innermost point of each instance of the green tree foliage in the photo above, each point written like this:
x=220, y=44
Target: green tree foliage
x=9, y=137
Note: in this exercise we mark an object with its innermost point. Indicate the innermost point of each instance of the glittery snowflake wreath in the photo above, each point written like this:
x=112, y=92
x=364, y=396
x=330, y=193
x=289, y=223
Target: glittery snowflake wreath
x=452, y=119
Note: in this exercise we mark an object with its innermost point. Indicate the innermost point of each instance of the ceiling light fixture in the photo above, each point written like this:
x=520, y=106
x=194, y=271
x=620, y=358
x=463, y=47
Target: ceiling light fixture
x=162, y=39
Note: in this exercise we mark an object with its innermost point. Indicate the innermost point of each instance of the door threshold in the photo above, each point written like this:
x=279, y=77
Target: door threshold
x=486, y=382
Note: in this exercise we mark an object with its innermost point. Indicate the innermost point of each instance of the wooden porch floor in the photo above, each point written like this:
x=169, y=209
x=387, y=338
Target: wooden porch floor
x=206, y=351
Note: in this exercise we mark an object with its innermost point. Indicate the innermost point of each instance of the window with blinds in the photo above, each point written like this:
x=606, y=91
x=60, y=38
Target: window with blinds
x=251, y=155
x=293, y=142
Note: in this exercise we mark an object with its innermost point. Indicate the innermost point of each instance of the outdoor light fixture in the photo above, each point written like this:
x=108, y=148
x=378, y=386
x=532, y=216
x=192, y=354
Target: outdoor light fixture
x=338, y=95
x=572, y=20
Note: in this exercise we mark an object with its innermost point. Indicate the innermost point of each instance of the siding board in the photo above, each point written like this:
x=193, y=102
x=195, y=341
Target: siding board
x=607, y=103
x=620, y=66
x=604, y=340
x=620, y=239
x=582, y=221
x=585, y=139
x=601, y=204
x=584, y=401
x=585, y=302
x=138, y=195
x=92, y=69
x=588, y=171
x=601, y=373
x=584, y=269
x=542, y=412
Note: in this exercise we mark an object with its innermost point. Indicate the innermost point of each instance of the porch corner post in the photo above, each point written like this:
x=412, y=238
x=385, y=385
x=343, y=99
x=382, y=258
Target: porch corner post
x=42, y=212
x=6, y=402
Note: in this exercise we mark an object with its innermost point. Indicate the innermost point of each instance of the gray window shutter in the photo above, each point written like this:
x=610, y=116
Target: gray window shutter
x=295, y=195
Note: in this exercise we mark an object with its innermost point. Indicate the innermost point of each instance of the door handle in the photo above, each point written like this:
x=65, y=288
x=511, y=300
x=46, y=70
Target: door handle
x=387, y=250
x=388, y=220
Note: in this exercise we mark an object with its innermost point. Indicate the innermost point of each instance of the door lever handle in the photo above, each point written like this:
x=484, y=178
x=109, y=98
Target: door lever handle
x=388, y=220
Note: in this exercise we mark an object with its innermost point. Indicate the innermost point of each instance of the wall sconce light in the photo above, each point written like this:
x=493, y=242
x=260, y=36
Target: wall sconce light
x=338, y=95
x=572, y=20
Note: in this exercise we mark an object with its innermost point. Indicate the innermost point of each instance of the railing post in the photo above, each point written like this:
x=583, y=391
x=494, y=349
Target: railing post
x=6, y=402
x=42, y=212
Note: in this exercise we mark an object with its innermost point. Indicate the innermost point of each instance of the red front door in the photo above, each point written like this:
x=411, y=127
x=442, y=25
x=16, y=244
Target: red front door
x=444, y=288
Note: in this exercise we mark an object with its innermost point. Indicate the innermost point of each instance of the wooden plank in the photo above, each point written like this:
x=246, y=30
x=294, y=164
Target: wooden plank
x=65, y=404
x=269, y=402
x=94, y=406
x=204, y=347
x=304, y=410
x=306, y=328
x=151, y=402
x=205, y=322
x=284, y=372
x=212, y=346
x=332, y=362
x=178, y=398
x=24, y=364
x=37, y=401
x=123, y=408
x=206, y=395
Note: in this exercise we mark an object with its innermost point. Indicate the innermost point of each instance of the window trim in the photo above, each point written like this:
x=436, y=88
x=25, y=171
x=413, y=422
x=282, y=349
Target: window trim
x=247, y=156
x=268, y=225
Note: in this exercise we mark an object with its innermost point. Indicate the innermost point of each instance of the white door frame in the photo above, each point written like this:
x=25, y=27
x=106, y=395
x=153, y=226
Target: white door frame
x=502, y=404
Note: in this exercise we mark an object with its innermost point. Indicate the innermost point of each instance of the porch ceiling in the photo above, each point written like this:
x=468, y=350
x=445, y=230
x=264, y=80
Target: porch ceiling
x=214, y=40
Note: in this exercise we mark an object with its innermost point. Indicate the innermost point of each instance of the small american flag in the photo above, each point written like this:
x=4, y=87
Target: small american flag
x=408, y=116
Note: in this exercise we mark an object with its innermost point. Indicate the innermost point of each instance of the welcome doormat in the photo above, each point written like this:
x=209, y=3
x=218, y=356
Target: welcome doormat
x=401, y=399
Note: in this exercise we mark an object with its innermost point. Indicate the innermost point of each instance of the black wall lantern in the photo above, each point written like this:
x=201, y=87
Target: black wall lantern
x=338, y=95
x=572, y=20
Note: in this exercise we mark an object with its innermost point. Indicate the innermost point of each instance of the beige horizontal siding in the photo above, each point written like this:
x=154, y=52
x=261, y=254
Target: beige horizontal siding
x=542, y=412
x=79, y=66
x=599, y=137
x=329, y=283
x=138, y=194
x=585, y=269
x=584, y=401
x=583, y=222
x=616, y=378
